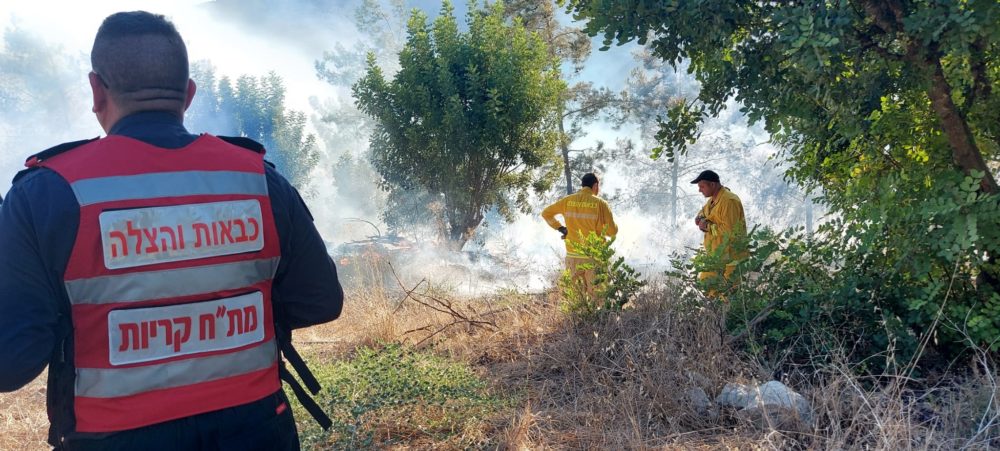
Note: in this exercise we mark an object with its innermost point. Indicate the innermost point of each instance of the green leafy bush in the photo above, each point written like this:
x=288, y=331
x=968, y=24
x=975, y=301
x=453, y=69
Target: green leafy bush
x=892, y=277
x=615, y=283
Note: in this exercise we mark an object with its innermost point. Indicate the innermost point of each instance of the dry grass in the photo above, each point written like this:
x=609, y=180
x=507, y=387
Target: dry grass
x=23, y=422
x=620, y=382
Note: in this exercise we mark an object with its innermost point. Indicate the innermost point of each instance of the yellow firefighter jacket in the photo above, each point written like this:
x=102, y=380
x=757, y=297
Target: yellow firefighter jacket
x=725, y=213
x=584, y=213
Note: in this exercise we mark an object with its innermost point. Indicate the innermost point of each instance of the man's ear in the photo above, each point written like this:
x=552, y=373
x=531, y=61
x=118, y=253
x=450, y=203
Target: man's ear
x=100, y=93
x=191, y=89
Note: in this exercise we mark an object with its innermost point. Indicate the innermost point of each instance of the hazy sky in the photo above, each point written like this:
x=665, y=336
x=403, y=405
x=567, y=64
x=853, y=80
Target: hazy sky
x=228, y=44
x=238, y=37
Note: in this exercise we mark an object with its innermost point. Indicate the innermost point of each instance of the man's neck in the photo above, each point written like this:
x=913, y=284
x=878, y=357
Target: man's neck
x=159, y=128
x=715, y=197
x=141, y=118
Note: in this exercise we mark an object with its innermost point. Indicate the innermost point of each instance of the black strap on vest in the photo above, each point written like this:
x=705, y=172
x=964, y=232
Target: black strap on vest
x=55, y=150
x=32, y=163
x=59, y=393
x=285, y=343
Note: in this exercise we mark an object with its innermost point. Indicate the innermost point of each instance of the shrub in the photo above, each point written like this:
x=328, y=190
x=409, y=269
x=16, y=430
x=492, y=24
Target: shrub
x=895, y=276
x=615, y=283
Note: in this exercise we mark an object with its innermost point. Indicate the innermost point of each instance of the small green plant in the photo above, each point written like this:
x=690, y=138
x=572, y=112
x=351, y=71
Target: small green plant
x=393, y=394
x=614, y=283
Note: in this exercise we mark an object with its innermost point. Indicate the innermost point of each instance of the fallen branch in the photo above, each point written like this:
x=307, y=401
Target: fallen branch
x=444, y=306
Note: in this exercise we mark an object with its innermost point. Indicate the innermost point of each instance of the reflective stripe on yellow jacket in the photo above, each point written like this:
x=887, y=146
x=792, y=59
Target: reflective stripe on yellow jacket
x=584, y=213
x=725, y=213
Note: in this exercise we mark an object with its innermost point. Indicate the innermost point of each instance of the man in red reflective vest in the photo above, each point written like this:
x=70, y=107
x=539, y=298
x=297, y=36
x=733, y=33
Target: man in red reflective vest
x=158, y=273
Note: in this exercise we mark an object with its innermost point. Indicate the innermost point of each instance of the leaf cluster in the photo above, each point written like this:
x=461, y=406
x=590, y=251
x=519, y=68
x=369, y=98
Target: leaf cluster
x=615, y=283
x=468, y=115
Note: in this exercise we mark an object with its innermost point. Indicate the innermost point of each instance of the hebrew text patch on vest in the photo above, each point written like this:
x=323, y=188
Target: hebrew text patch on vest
x=147, y=236
x=155, y=333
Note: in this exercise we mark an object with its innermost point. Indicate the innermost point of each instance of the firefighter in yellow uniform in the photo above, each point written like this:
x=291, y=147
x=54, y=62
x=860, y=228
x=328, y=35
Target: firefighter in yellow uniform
x=722, y=221
x=583, y=213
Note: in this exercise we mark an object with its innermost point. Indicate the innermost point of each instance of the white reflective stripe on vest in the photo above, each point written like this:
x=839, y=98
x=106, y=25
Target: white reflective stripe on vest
x=573, y=214
x=117, y=382
x=170, y=283
x=168, y=184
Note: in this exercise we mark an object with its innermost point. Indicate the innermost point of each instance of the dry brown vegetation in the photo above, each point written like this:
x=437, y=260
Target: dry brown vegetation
x=622, y=381
x=619, y=382
x=24, y=425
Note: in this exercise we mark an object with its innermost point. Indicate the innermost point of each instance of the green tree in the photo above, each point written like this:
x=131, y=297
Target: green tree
x=469, y=116
x=254, y=108
x=884, y=104
x=815, y=72
x=582, y=102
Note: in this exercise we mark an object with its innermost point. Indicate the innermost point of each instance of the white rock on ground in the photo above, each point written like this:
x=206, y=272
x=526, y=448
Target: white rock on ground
x=736, y=395
x=770, y=405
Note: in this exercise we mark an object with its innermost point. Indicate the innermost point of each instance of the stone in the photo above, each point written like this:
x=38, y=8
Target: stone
x=698, y=400
x=771, y=405
x=776, y=406
x=738, y=396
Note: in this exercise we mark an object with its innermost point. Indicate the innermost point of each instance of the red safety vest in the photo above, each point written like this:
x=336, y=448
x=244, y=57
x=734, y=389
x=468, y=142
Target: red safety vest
x=169, y=280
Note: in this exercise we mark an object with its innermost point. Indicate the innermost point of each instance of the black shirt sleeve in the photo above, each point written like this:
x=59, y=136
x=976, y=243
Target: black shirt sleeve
x=32, y=262
x=306, y=289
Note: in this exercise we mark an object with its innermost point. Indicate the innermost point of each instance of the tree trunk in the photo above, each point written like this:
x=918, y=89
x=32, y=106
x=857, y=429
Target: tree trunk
x=889, y=15
x=462, y=229
x=674, y=175
x=809, y=217
x=965, y=153
x=564, y=147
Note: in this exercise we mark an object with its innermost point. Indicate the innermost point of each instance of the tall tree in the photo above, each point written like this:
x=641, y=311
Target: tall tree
x=254, y=108
x=884, y=104
x=651, y=89
x=344, y=130
x=816, y=72
x=569, y=47
x=469, y=116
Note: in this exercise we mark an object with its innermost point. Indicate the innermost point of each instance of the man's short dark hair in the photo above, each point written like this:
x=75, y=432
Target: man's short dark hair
x=137, y=50
x=588, y=180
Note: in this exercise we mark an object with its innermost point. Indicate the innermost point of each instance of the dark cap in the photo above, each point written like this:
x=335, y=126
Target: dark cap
x=709, y=176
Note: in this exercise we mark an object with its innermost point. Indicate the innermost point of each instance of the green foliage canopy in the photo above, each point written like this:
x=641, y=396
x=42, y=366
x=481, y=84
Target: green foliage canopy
x=469, y=116
x=891, y=107
x=822, y=75
x=254, y=108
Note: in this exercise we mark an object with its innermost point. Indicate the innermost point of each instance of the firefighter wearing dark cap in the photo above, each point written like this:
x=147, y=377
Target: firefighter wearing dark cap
x=158, y=273
x=722, y=222
x=584, y=213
